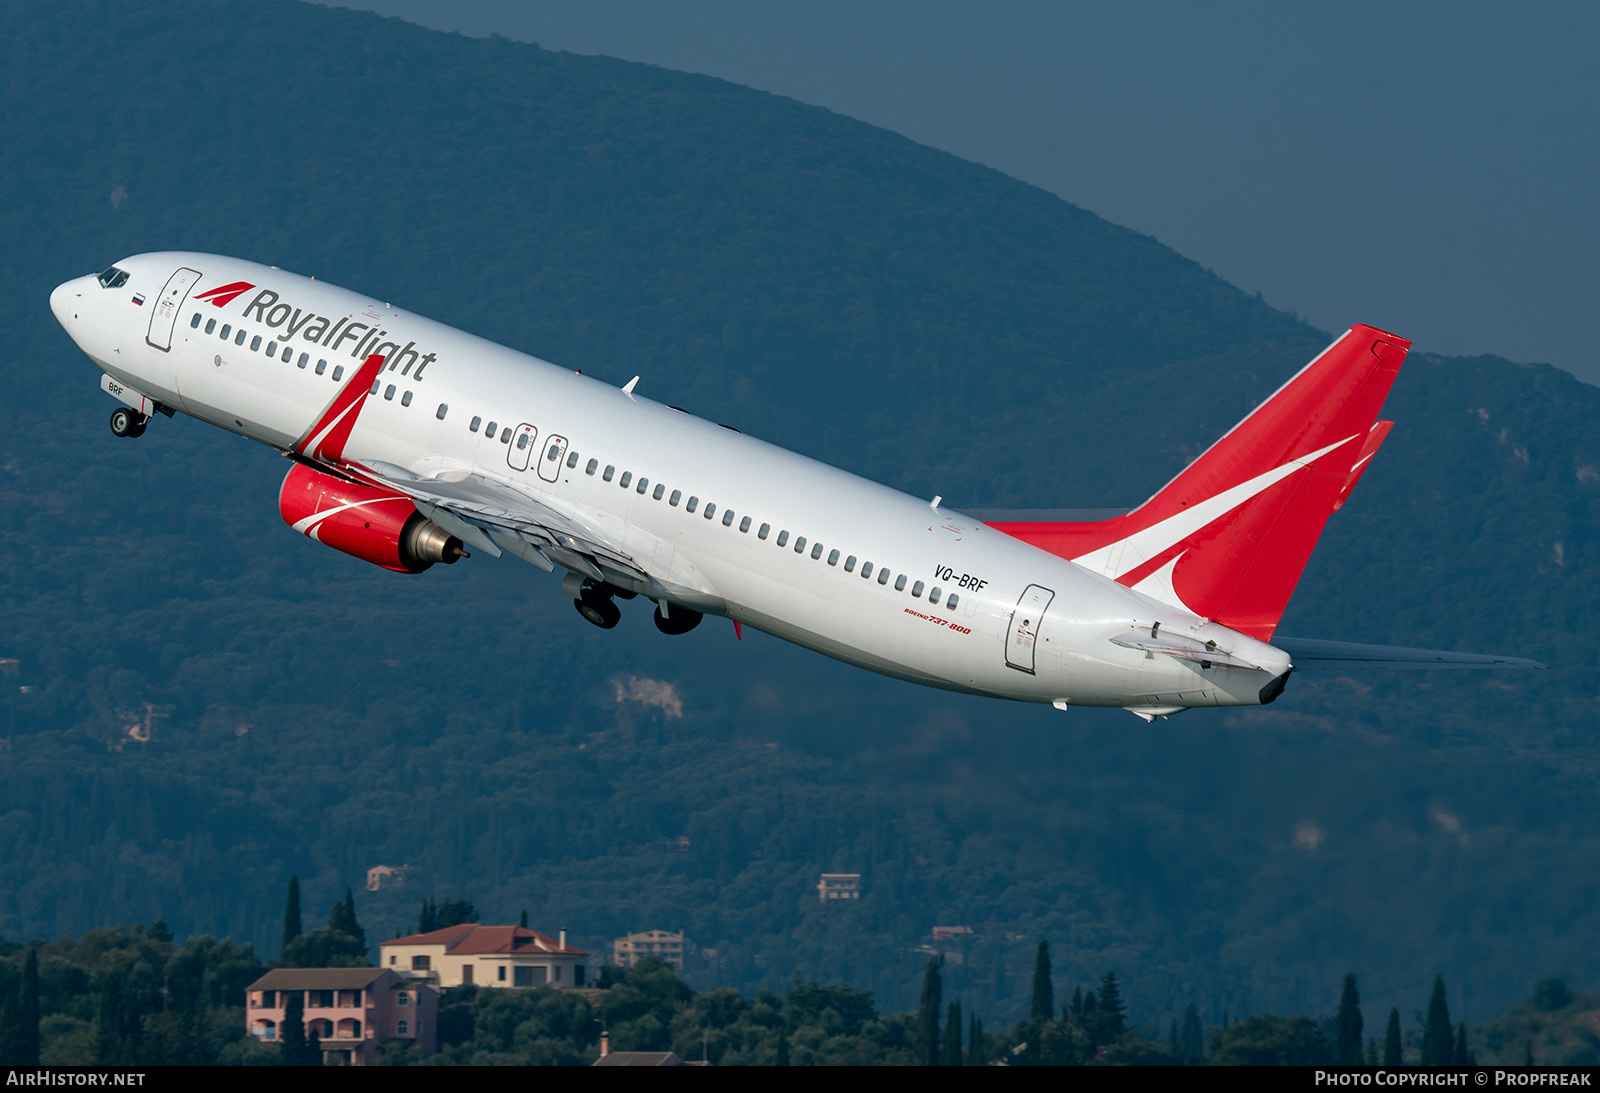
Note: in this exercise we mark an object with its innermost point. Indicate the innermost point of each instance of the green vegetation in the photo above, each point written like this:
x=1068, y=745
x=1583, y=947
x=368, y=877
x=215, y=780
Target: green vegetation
x=833, y=288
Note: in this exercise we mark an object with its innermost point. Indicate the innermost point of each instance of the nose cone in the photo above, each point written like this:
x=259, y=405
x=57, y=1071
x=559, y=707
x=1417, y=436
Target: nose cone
x=63, y=301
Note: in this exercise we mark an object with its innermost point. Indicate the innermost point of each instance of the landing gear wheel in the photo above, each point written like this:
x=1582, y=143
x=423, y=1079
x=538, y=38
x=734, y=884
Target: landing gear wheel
x=680, y=621
x=600, y=611
x=127, y=422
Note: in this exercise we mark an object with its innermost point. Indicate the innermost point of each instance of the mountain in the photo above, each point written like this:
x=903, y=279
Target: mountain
x=831, y=287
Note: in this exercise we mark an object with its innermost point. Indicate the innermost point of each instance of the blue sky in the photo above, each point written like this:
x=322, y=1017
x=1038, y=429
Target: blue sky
x=1429, y=168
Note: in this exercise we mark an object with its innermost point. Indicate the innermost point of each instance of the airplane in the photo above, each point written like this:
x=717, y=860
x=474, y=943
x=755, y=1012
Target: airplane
x=410, y=442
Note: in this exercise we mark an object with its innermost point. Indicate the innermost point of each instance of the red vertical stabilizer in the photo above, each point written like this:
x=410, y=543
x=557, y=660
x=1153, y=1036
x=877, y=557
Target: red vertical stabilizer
x=1229, y=537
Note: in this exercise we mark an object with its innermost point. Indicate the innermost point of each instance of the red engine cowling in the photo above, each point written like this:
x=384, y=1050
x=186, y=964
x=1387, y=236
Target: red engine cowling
x=378, y=526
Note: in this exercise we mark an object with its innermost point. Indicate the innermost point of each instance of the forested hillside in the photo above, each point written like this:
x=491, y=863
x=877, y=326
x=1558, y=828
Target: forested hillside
x=831, y=287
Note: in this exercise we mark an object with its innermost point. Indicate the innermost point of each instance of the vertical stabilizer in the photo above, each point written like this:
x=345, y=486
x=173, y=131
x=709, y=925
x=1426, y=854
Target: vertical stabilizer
x=1229, y=537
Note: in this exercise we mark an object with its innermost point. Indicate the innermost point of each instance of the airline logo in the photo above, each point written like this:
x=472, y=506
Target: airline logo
x=222, y=297
x=325, y=439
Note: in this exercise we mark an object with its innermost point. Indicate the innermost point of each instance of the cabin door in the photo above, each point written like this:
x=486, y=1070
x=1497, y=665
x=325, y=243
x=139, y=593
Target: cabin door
x=1023, y=633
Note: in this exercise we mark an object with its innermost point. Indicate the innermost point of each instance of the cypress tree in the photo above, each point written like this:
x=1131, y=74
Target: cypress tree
x=1347, y=1047
x=1077, y=1003
x=1463, y=1057
x=523, y=922
x=292, y=1034
x=783, y=1046
x=1112, y=1020
x=291, y=912
x=977, y=1055
x=1193, y=1037
x=428, y=919
x=27, y=1012
x=928, y=1017
x=952, y=1035
x=1437, y=1042
x=1044, y=1000
x=1392, y=1053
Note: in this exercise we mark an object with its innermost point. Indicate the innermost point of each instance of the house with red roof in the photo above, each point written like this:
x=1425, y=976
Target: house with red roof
x=355, y=1012
x=489, y=956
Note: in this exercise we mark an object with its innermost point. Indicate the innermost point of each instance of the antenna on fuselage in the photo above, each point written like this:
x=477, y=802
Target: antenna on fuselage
x=627, y=388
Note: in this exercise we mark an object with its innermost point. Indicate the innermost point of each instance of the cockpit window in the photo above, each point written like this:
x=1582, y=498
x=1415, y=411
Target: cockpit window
x=113, y=277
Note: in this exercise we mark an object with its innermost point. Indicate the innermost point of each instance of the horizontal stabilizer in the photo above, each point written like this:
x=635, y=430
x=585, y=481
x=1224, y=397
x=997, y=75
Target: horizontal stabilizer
x=1314, y=655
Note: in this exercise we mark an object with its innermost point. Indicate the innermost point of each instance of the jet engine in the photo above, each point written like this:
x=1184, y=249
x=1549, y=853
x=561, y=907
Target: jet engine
x=376, y=525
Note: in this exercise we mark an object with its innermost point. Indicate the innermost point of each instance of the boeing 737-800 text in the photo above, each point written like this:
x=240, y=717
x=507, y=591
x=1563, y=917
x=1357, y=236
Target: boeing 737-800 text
x=412, y=442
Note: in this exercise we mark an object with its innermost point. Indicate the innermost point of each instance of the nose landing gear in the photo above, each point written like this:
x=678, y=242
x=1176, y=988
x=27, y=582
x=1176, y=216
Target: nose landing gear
x=126, y=421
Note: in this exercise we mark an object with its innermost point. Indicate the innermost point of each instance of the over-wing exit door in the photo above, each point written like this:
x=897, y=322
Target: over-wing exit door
x=1024, y=632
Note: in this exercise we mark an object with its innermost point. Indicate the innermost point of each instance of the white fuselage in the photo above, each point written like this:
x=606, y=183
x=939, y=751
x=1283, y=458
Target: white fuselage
x=1007, y=619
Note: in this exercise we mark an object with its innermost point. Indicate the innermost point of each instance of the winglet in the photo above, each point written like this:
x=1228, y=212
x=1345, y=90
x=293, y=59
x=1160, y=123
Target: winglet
x=325, y=440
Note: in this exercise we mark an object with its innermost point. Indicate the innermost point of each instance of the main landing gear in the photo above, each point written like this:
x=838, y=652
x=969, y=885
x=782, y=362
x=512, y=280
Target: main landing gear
x=676, y=620
x=593, y=600
x=595, y=605
x=126, y=421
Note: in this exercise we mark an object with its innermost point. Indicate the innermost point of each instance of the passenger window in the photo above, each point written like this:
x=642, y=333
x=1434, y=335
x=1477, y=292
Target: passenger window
x=554, y=454
x=916, y=589
x=490, y=429
x=673, y=500
x=592, y=466
x=611, y=471
x=727, y=518
x=375, y=385
x=194, y=322
x=443, y=409
x=711, y=510
x=227, y=329
x=272, y=349
x=800, y=544
x=238, y=339
x=866, y=569
x=900, y=583
x=305, y=359
x=288, y=354
x=850, y=564
x=660, y=491
x=338, y=372
x=883, y=576
x=833, y=557
x=505, y=435
x=473, y=426
x=627, y=477
x=744, y=525
x=522, y=442
x=405, y=399
x=644, y=484
x=816, y=552
x=322, y=366
x=933, y=594
x=762, y=533
x=952, y=601
x=211, y=326
x=783, y=538
x=255, y=344
x=692, y=505
x=572, y=460
x=388, y=393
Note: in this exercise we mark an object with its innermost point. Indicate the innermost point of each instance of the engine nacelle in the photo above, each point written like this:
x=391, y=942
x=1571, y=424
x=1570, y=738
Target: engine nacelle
x=378, y=526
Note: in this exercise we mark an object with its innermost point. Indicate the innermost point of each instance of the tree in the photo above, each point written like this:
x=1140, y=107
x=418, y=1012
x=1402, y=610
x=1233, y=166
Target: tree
x=1347, y=1047
x=291, y=913
x=1044, y=1002
x=977, y=1050
x=928, y=1017
x=1393, y=1054
x=1112, y=1019
x=1462, y=1055
x=292, y=1033
x=1191, y=1039
x=1266, y=1040
x=952, y=1035
x=1438, y=1045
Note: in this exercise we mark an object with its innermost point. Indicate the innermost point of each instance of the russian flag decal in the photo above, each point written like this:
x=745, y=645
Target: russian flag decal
x=138, y=300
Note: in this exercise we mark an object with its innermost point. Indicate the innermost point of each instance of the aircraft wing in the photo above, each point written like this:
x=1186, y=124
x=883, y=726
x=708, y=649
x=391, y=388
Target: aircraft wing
x=1313, y=655
x=495, y=517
